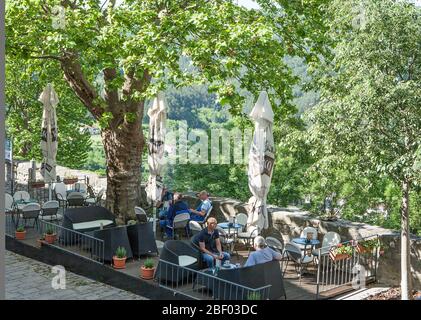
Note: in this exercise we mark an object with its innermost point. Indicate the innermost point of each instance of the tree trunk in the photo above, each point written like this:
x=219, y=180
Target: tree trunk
x=406, y=279
x=123, y=145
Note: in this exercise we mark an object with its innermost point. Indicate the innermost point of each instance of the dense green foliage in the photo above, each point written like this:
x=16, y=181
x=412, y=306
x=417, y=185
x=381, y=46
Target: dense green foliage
x=24, y=113
x=357, y=143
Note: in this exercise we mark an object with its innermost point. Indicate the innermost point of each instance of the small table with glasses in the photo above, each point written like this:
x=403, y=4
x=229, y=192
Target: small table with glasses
x=306, y=242
x=231, y=230
x=230, y=226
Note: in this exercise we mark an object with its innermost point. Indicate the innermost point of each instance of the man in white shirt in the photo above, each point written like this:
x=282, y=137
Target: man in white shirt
x=262, y=254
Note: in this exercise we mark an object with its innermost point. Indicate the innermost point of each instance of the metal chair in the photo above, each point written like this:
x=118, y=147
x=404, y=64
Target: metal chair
x=141, y=215
x=195, y=227
x=95, y=201
x=61, y=194
x=180, y=221
x=8, y=203
x=293, y=253
x=304, y=233
x=307, y=230
x=241, y=219
x=31, y=211
x=248, y=235
x=329, y=239
x=206, y=217
x=82, y=188
x=226, y=239
x=275, y=244
x=75, y=199
x=49, y=211
x=21, y=195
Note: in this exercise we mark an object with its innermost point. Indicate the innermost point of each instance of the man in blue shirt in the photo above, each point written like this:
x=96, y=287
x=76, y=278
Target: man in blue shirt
x=262, y=254
x=202, y=210
x=210, y=245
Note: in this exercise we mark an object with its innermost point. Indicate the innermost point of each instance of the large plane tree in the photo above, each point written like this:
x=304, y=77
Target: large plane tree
x=136, y=47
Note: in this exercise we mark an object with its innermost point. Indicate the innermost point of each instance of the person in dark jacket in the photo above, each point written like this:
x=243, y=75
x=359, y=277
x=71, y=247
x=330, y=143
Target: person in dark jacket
x=179, y=206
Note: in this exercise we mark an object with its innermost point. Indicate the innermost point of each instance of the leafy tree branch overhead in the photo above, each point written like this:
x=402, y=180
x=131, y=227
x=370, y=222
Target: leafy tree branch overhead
x=137, y=46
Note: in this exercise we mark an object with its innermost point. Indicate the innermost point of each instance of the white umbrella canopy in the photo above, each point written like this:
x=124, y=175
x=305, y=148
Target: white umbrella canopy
x=261, y=161
x=49, y=137
x=157, y=118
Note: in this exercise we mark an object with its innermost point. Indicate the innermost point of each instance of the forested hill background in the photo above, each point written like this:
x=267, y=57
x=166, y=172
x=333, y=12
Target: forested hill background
x=199, y=108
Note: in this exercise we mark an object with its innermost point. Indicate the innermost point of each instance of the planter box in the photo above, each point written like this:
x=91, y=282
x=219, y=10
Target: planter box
x=70, y=181
x=338, y=256
x=37, y=184
x=361, y=249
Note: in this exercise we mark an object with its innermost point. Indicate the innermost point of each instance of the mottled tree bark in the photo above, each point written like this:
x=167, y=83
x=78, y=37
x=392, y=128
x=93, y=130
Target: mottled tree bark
x=122, y=137
x=123, y=149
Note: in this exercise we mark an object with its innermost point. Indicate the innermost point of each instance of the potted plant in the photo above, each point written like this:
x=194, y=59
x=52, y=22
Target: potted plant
x=253, y=296
x=50, y=236
x=119, y=260
x=147, y=271
x=367, y=246
x=341, y=252
x=70, y=179
x=41, y=241
x=20, y=233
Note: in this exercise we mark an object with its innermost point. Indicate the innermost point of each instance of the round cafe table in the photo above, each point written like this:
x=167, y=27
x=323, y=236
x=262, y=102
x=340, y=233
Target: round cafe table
x=229, y=225
x=303, y=241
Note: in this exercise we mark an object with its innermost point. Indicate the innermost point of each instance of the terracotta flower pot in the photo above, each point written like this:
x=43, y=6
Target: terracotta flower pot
x=147, y=273
x=20, y=235
x=119, y=263
x=50, y=238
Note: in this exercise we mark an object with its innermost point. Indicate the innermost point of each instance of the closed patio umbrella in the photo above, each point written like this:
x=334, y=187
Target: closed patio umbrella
x=157, y=118
x=261, y=161
x=49, y=141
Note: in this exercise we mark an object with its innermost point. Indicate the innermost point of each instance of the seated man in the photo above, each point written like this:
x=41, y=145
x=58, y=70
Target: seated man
x=202, y=210
x=210, y=245
x=262, y=254
x=179, y=206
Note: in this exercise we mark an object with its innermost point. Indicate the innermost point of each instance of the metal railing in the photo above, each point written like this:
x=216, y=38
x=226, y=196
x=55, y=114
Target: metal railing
x=74, y=242
x=200, y=285
x=10, y=225
x=350, y=267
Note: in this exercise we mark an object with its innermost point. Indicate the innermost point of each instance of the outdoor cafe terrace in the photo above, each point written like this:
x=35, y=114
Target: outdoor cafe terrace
x=300, y=275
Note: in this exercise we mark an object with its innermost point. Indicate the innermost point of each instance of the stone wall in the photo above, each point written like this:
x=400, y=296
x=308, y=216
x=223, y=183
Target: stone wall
x=287, y=223
x=22, y=176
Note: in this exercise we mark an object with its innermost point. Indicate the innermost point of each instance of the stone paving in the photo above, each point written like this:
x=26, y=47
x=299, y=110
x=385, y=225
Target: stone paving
x=28, y=279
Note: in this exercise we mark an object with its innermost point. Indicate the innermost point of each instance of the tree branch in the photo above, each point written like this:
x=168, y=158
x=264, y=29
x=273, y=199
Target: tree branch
x=74, y=76
x=47, y=57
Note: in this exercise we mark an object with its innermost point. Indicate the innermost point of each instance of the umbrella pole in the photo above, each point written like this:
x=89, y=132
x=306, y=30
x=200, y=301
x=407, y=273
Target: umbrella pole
x=49, y=191
x=154, y=221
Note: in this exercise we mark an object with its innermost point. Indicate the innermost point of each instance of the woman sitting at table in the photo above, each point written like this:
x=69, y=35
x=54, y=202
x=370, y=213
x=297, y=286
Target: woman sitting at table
x=262, y=254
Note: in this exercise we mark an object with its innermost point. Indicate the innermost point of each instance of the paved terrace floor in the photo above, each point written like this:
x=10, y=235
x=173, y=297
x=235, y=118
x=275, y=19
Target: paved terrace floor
x=295, y=289
x=28, y=279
